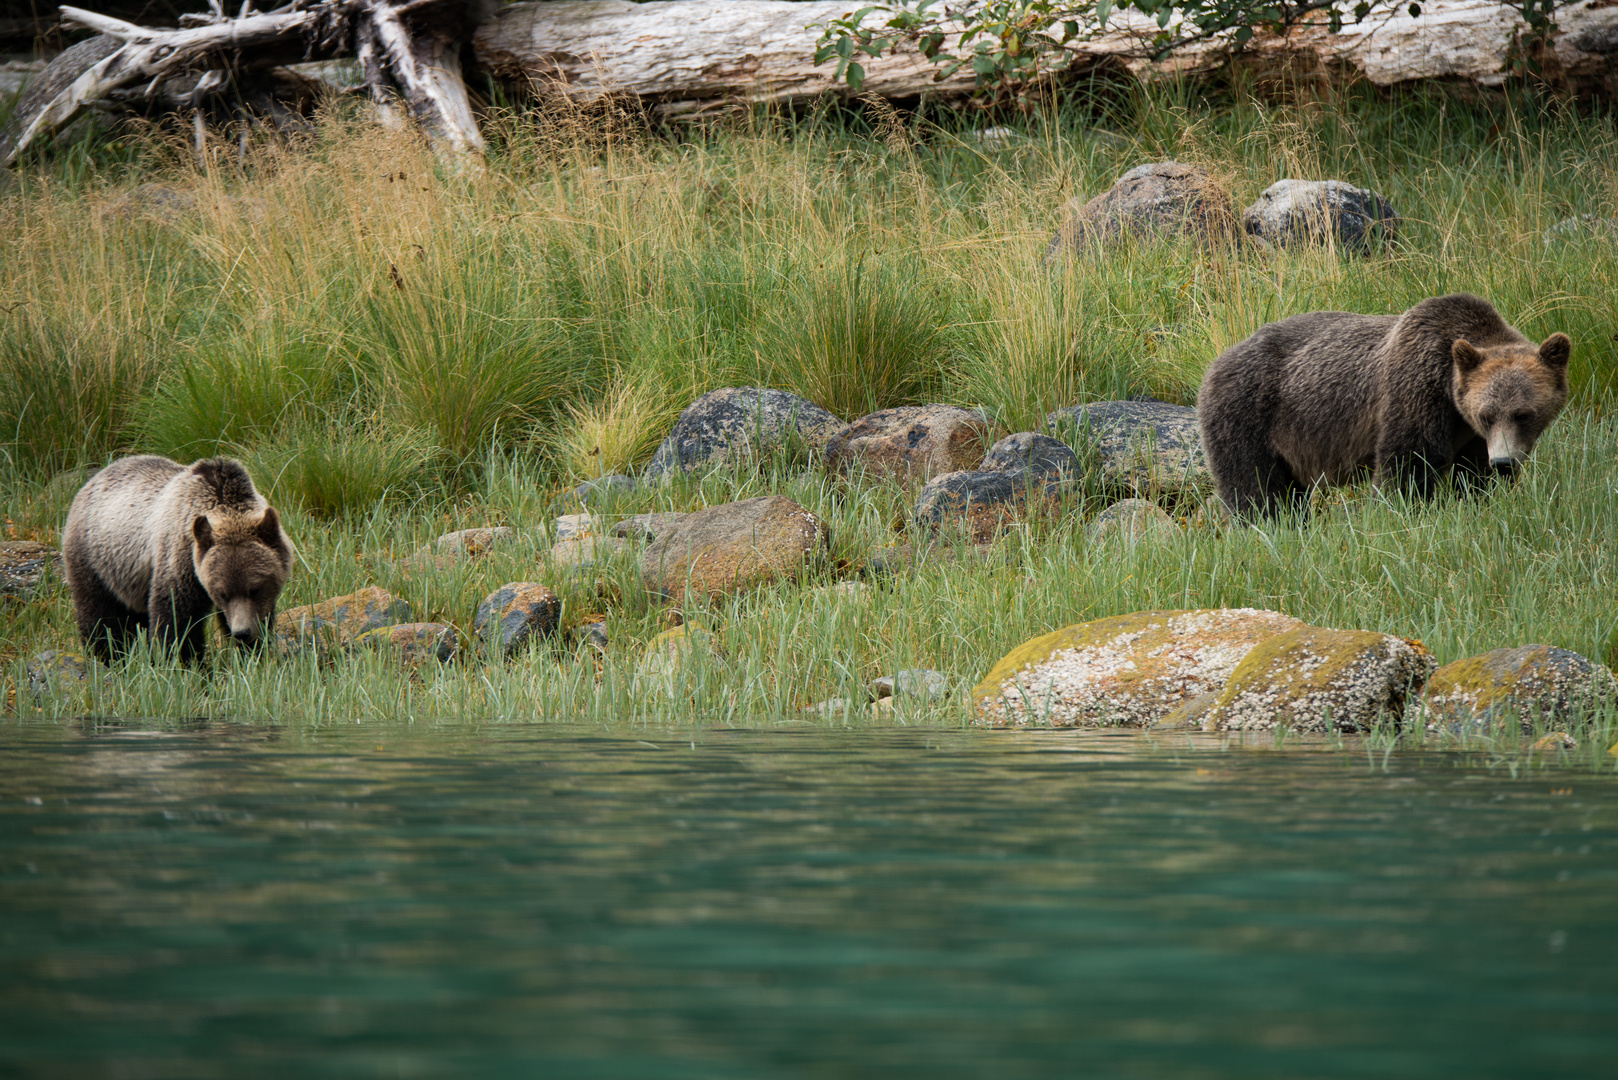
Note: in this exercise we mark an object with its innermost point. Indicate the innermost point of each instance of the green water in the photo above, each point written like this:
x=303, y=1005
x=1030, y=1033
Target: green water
x=237, y=901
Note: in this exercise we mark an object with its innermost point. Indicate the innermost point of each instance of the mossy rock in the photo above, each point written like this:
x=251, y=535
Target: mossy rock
x=340, y=620
x=1317, y=680
x=1128, y=670
x=1532, y=683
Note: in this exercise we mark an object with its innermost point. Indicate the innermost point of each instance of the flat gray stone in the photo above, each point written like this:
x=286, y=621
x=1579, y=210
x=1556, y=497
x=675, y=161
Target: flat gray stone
x=1292, y=212
x=338, y=621
x=1142, y=447
x=473, y=542
x=567, y=526
x=414, y=644
x=647, y=526
x=731, y=426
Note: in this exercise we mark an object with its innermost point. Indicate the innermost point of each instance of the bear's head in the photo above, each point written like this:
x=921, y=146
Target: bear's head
x=243, y=561
x=1510, y=393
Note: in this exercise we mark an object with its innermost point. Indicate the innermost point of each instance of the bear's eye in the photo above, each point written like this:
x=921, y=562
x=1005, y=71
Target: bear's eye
x=1486, y=419
x=1523, y=418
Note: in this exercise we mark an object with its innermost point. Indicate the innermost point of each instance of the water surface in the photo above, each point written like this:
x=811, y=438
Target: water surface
x=240, y=901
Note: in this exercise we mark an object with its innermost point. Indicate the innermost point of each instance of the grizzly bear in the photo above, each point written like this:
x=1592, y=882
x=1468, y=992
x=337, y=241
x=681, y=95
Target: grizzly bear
x=156, y=544
x=1320, y=398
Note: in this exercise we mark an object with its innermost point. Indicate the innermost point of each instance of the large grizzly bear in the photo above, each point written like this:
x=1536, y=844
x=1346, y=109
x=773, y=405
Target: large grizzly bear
x=150, y=542
x=1319, y=398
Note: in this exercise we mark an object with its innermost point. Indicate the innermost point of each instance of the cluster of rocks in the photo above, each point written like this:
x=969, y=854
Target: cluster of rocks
x=1172, y=198
x=1243, y=669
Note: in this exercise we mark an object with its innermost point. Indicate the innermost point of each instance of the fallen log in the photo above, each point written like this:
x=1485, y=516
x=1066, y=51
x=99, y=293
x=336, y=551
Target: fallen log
x=409, y=50
x=696, y=56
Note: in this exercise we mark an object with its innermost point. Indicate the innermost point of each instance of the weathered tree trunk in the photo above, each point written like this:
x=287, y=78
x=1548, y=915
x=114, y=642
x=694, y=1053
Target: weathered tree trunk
x=685, y=56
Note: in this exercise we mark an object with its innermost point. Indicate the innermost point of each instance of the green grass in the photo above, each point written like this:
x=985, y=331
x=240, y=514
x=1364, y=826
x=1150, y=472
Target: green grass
x=399, y=350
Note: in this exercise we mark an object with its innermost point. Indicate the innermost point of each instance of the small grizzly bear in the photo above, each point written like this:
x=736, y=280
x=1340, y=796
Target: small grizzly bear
x=1319, y=398
x=150, y=542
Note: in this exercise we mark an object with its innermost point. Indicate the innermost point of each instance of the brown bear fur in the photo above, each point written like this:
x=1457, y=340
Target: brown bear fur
x=156, y=544
x=1322, y=397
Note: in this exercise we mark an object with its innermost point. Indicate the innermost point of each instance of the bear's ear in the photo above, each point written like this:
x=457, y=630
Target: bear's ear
x=203, y=531
x=1466, y=357
x=269, y=528
x=1556, y=351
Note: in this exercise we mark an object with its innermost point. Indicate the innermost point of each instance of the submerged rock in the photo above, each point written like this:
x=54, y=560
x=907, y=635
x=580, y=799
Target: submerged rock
x=1318, y=680
x=1156, y=201
x=515, y=616
x=338, y=621
x=1127, y=670
x=912, y=443
x=731, y=426
x=733, y=547
x=1144, y=447
x=1528, y=684
x=1309, y=211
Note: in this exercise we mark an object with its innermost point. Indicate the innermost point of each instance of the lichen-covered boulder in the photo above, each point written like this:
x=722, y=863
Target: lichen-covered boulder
x=54, y=670
x=977, y=504
x=338, y=621
x=1143, y=447
x=23, y=564
x=1309, y=211
x=413, y=644
x=733, y=547
x=1127, y=670
x=1317, y=680
x=1032, y=453
x=1132, y=521
x=912, y=443
x=1531, y=684
x=516, y=615
x=1159, y=200
x=727, y=427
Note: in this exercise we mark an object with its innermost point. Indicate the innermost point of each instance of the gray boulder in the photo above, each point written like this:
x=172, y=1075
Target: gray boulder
x=516, y=615
x=1160, y=200
x=1309, y=211
x=727, y=427
x=1132, y=521
x=974, y=502
x=1142, y=447
x=1033, y=453
x=23, y=564
x=733, y=547
x=910, y=443
x=52, y=672
x=339, y=620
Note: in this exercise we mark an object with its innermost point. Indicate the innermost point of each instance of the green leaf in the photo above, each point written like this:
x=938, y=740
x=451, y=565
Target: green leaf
x=856, y=76
x=1103, y=9
x=1070, y=29
x=1244, y=34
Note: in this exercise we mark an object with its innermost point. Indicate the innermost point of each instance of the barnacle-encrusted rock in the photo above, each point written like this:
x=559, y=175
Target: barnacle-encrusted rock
x=22, y=566
x=1159, y=200
x=413, y=643
x=733, y=547
x=1315, y=679
x=911, y=443
x=1132, y=521
x=727, y=427
x=338, y=621
x=1128, y=670
x=1531, y=683
x=516, y=615
x=1143, y=447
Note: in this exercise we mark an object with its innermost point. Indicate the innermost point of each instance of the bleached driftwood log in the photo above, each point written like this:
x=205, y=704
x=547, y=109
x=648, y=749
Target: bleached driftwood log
x=409, y=49
x=684, y=56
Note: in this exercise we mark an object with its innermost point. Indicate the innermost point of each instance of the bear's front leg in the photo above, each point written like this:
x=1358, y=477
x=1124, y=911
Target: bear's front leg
x=1410, y=471
x=107, y=626
x=179, y=621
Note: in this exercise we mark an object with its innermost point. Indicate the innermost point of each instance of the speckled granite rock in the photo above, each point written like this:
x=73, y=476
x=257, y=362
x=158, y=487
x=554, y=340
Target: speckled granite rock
x=516, y=615
x=1132, y=521
x=1530, y=684
x=733, y=547
x=1308, y=211
x=1127, y=670
x=1143, y=447
x=912, y=443
x=727, y=427
x=580, y=553
x=23, y=565
x=338, y=621
x=1162, y=199
x=1318, y=680
x=1032, y=453
x=568, y=526
x=414, y=644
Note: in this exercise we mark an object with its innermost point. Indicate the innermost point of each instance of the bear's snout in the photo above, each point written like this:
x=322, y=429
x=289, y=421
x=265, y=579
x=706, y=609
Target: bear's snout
x=241, y=619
